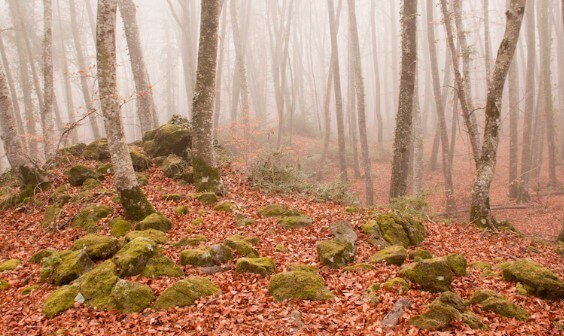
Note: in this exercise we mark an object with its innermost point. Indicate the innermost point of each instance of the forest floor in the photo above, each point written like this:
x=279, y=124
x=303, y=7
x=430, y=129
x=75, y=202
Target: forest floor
x=244, y=306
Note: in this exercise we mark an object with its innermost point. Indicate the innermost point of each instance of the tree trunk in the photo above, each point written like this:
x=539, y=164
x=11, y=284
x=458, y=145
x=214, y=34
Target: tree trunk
x=513, y=82
x=480, y=212
x=131, y=196
x=13, y=94
x=351, y=109
x=146, y=110
x=47, y=109
x=403, y=130
x=377, y=100
x=217, y=103
x=487, y=40
x=206, y=174
x=241, y=68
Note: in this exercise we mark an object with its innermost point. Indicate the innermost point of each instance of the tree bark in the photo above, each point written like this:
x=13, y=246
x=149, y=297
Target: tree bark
x=513, y=82
x=131, y=196
x=487, y=40
x=13, y=94
x=480, y=212
x=403, y=130
x=377, y=100
x=218, y=76
x=47, y=108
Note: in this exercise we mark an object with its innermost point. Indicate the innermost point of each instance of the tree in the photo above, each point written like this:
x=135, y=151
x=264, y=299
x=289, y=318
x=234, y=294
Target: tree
x=131, y=196
x=403, y=130
x=47, y=108
x=206, y=173
x=480, y=212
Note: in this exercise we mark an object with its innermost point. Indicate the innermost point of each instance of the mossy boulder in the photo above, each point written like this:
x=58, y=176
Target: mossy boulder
x=185, y=293
x=38, y=256
x=29, y=289
x=392, y=255
x=209, y=256
x=139, y=160
x=119, y=227
x=492, y=301
x=294, y=222
x=394, y=228
x=277, y=210
x=298, y=285
x=3, y=285
x=90, y=184
x=97, y=150
x=74, y=150
x=97, y=247
x=157, y=236
x=457, y=264
x=131, y=297
x=191, y=241
x=262, y=266
x=226, y=206
x=438, y=316
x=50, y=216
x=8, y=265
x=170, y=138
x=63, y=267
x=394, y=284
x=302, y=268
x=131, y=259
x=242, y=246
x=77, y=175
x=182, y=210
x=343, y=231
x=537, y=280
x=105, y=168
x=433, y=275
x=472, y=320
x=60, y=300
x=97, y=284
x=89, y=217
x=335, y=253
x=173, y=166
x=159, y=266
x=154, y=221
x=420, y=254
x=206, y=197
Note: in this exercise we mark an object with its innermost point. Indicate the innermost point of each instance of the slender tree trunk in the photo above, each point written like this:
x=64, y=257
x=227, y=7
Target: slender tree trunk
x=217, y=103
x=403, y=130
x=131, y=196
x=13, y=95
x=480, y=212
x=327, y=123
x=241, y=68
x=206, y=174
x=351, y=109
x=47, y=109
x=487, y=40
x=444, y=96
x=417, y=143
x=513, y=79
x=377, y=100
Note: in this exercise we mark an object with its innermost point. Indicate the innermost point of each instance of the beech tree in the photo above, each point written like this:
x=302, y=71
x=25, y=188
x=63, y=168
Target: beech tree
x=206, y=173
x=47, y=108
x=131, y=196
x=480, y=212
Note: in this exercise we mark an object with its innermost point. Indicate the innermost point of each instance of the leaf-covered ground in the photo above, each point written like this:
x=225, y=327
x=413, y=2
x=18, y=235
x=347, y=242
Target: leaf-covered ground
x=244, y=306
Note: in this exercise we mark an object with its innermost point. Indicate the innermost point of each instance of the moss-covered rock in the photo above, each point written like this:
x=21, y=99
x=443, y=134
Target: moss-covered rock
x=29, y=289
x=157, y=236
x=242, y=246
x=3, y=285
x=135, y=204
x=206, y=197
x=457, y=264
x=392, y=231
x=302, y=268
x=182, y=210
x=89, y=217
x=372, y=230
x=74, y=150
x=38, y=256
x=494, y=302
x=262, y=266
x=293, y=222
x=433, y=275
x=170, y=138
x=131, y=297
x=242, y=221
x=63, y=267
x=97, y=284
x=131, y=259
x=395, y=229
x=142, y=179
x=343, y=231
x=277, y=210
x=536, y=279
x=97, y=247
x=420, y=254
x=50, y=216
x=438, y=316
x=226, y=206
x=173, y=166
x=394, y=284
x=90, y=184
x=191, y=241
x=392, y=255
x=154, y=221
x=97, y=150
x=8, y=265
x=77, y=175
x=105, y=168
x=139, y=160
x=357, y=268
x=335, y=253
x=60, y=300
x=119, y=227
x=472, y=320
x=209, y=256
x=185, y=293
x=298, y=285
x=281, y=248
x=159, y=266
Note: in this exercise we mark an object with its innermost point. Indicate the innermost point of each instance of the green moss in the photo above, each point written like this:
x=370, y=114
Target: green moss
x=241, y=246
x=209, y=256
x=298, y=285
x=135, y=204
x=97, y=284
x=157, y=236
x=360, y=267
x=185, y=293
x=173, y=166
x=392, y=232
x=168, y=139
x=262, y=266
x=154, y=221
x=88, y=217
x=392, y=255
x=505, y=308
x=38, y=256
x=438, y=316
x=420, y=254
x=59, y=301
x=224, y=206
x=293, y=222
x=50, y=216
x=29, y=289
x=242, y=221
x=3, y=285
x=97, y=247
x=132, y=258
x=77, y=175
x=538, y=280
x=432, y=275
x=139, y=160
x=473, y=321
x=481, y=295
x=277, y=210
x=64, y=267
x=197, y=221
x=395, y=283
x=119, y=227
x=159, y=266
x=191, y=241
x=457, y=264
x=335, y=253
x=302, y=268
x=142, y=179
x=521, y=289
x=206, y=197
x=281, y=248
x=206, y=178
x=8, y=265
x=171, y=197
x=97, y=150
x=90, y=184
x=105, y=168
x=182, y=210
x=131, y=297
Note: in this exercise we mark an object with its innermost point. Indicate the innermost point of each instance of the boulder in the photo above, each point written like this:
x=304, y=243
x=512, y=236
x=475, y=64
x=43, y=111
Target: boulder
x=209, y=256
x=206, y=197
x=392, y=255
x=97, y=150
x=63, y=267
x=171, y=138
x=173, y=166
x=159, y=266
x=241, y=246
x=262, y=266
x=492, y=301
x=298, y=285
x=50, y=216
x=157, y=236
x=105, y=168
x=277, y=210
x=457, y=264
x=8, y=265
x=226, y=206
x=182, y=210
x=343, y=231
x=74, y=150
x=393, y=284
x=420, y=254
x=154, y=221
x=131, y=297
x=433, y=275
x=335, y=253
x=97, y=247
x=535, y=279
x=440, y=313
x=3, y=285
x=90, y=184
x=131, y=259
x=395, y=229
x=29, y=289
x=60, y=300
x=77, y=175
x=372, y=230
x=89, y=217
x=293, y=222
x=185, y=293
x=119, y=227
x=139, y=160
x=97, y=284
x=38, y=256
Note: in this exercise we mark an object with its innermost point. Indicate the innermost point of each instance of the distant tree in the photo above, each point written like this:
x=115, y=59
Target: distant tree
x=131, y=196
x=480, y=212
x=48, y=90
x=206, y=173
x=403, y=130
